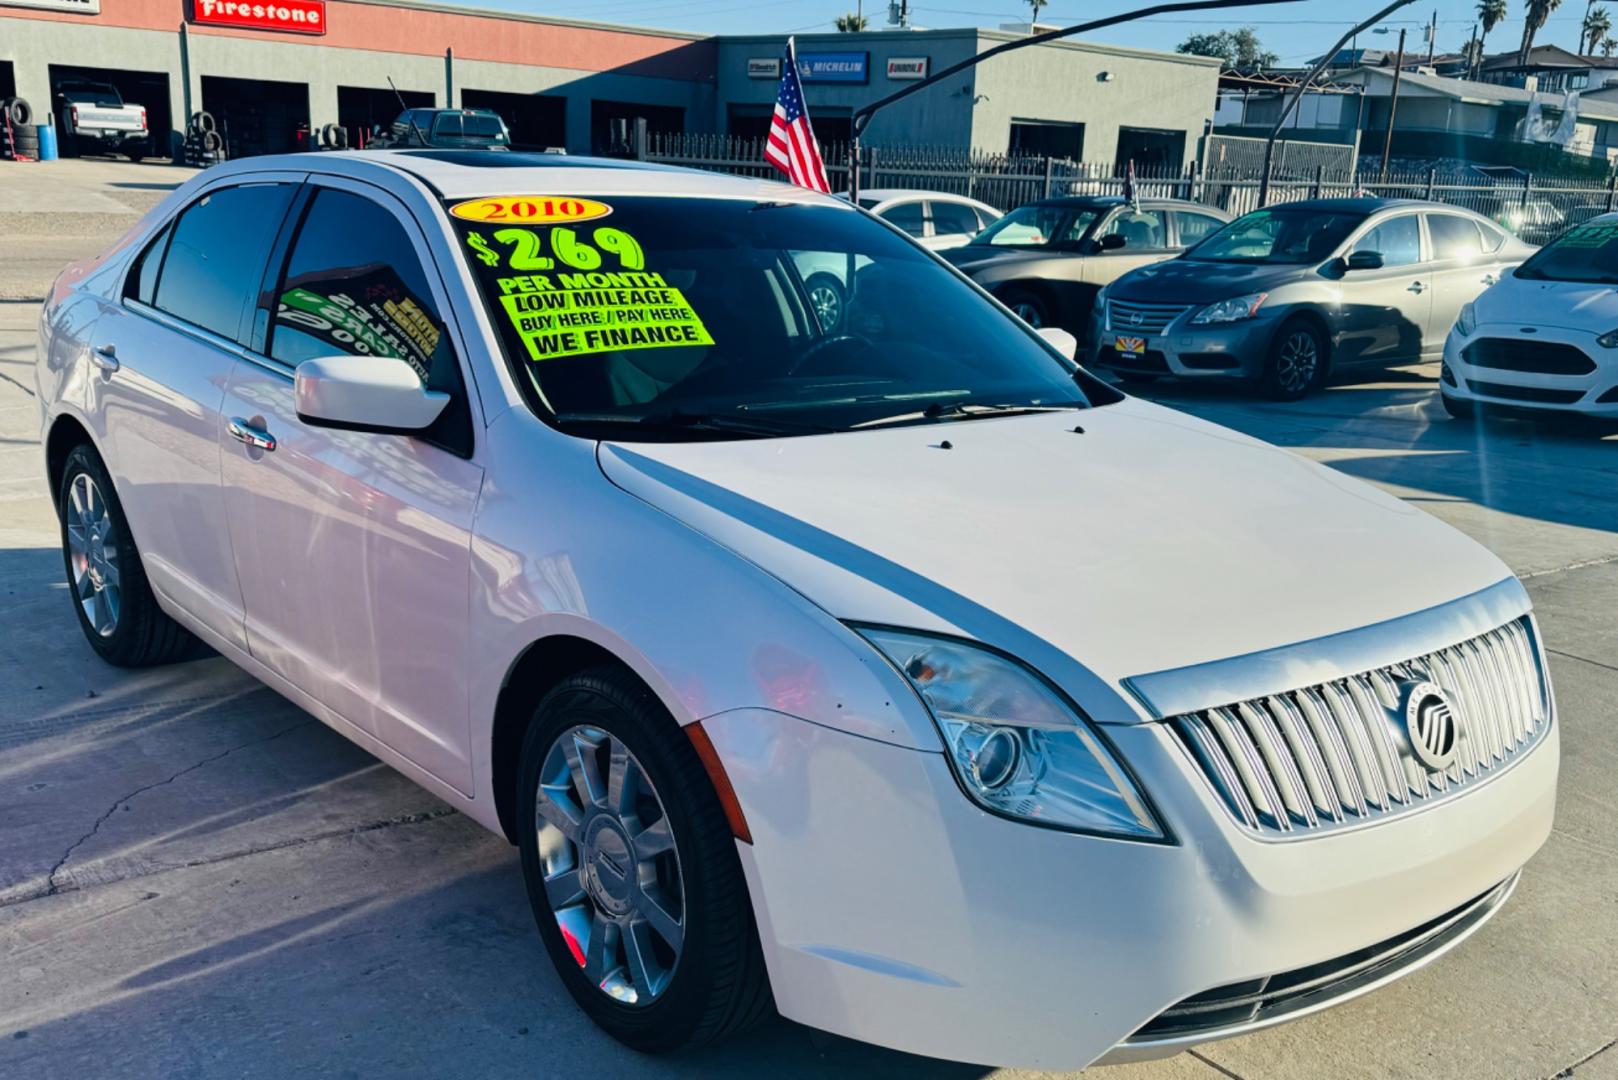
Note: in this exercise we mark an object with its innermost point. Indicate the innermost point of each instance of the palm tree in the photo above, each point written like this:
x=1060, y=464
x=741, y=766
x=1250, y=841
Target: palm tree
x=1609, y=47
x=1597, y=25
x=1491, y=13
x=851, y=23
x=1538, y=12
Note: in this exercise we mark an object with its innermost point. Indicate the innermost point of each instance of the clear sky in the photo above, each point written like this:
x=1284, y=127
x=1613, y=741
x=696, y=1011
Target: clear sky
x=1296, y=31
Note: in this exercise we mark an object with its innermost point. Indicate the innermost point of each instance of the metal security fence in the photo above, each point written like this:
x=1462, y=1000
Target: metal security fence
x=1227, y=176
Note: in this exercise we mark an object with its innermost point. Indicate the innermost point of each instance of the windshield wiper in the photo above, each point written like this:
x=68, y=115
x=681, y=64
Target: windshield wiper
x=681, y=420
x=966, y=410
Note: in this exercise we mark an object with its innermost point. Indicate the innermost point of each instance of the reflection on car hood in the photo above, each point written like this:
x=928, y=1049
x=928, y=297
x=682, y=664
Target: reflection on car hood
x=1188, y=281
x=1150, y=541
x=1575, y=305
x=977, y=256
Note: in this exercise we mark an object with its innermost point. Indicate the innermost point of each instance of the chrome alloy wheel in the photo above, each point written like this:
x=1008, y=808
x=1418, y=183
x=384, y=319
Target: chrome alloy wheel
x=1028, y=313
x=610, y=865
x=93, y=555
x=1297, y=361
x=828, y=306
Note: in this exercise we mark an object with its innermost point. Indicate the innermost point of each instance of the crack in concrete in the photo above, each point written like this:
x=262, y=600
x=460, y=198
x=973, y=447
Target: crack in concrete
x=261, y=849
x=1582, y=659
x=1214, y=1065
x=51, y=886
x=1570, y=1071
x=1581, y=565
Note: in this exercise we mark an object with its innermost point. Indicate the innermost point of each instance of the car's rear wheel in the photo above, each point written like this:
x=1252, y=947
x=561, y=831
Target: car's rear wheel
x=1297, y=362
x=116, y=609
x=632, y=871
x=1026, y=306
x=826, y=297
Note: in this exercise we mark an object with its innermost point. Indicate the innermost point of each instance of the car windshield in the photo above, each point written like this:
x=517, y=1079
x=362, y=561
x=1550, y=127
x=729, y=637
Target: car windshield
x=657, y=318
x=470, y=126
x=1039, y=226
x=94, y=95
x=1587, y=253
x=1278, y=235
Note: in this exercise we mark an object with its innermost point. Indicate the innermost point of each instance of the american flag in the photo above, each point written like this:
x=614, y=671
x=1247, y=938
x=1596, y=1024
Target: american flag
x=791, y=146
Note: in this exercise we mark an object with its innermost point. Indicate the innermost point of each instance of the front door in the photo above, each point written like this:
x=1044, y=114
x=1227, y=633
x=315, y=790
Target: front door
x=1384, y=314
x=354, y=547
x=1144, y=236
x=164, y=356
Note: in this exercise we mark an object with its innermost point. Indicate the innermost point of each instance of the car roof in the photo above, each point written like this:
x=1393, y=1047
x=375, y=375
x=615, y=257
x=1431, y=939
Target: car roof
x=1360, y=204
x=886, y=194
x=461, y=174
x=1106, y=201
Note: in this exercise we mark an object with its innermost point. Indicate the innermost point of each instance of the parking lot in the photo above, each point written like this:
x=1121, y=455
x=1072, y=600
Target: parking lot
x=198, y=879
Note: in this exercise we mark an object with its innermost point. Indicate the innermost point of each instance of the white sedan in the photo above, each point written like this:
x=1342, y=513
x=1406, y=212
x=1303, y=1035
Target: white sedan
x=898, y=676
x=939, y=220
x=1544, y=339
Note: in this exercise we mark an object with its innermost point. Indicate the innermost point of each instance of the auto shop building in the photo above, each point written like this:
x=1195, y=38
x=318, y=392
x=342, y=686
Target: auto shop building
x=272, y=71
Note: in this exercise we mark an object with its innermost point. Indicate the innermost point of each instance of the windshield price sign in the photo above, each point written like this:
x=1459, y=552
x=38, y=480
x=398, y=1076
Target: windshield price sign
x=529, y=209
x=288, y=16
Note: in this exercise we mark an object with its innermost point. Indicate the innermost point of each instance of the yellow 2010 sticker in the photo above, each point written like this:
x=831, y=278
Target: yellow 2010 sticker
x=530, y=209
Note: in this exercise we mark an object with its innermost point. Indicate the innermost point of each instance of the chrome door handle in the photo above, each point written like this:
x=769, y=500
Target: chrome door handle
x=105, y=357
x=258, y=438
x=1416, y=287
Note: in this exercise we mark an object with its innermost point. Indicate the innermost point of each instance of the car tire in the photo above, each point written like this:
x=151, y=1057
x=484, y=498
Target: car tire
x=202, y=121
x=19, y=112
x=1028, y=307
x=135, y=155
x=827, y=298
x=587, y=884
x=1296, y=363
x=117, y=611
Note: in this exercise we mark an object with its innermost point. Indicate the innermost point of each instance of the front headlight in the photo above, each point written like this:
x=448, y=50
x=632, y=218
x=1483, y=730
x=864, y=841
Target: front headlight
x=1467, y=321
x=1018, y=748
x=1609, y=340
x=1233, y=310
x=1101, y=306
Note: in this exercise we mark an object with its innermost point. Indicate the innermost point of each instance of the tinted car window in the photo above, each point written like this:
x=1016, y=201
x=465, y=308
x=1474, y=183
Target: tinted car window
x=142, y=281
x=1039, y=226
x=1398, y=240
x=1194, y=226
x=694, y=318
x=986, y=217
x=216, y=257
x=1454, y=237
x=953, y=218
x=1279, y=235
x=908, y=216
x=1492, y=237
x=1587, y=253
x=1139, y=228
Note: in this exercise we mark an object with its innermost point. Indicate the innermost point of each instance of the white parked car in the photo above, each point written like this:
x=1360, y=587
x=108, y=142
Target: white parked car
x=1545, y=337
x=902, y=677
x=938, y=220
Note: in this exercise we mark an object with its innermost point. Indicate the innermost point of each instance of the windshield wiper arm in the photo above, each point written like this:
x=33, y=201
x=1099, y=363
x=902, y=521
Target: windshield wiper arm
x=679, y=419
x=967, y=410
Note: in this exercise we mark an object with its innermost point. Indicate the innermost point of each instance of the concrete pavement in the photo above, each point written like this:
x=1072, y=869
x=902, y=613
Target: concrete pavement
x=198, y=880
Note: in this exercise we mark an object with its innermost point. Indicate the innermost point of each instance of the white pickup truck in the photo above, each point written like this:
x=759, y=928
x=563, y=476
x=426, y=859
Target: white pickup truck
x=94, y=119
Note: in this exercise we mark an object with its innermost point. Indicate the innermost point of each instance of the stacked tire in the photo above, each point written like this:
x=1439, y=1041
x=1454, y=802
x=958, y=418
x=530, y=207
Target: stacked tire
x=203, y=144
x=18, y=136
x=334, y=137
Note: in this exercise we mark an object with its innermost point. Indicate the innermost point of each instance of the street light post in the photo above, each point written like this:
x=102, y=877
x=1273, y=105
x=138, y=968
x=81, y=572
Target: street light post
x=862, y=118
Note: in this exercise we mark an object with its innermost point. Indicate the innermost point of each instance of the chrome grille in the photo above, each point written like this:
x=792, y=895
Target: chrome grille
x=1336, y=753
x=1127, y=316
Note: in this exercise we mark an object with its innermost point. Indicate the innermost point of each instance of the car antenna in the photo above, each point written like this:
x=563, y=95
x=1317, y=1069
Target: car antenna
x=408, y=114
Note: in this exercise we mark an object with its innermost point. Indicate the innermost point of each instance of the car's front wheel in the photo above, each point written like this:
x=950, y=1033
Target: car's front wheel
x=1297, y=362
x=116, y=609
x=1026, y=306
x=632, y=870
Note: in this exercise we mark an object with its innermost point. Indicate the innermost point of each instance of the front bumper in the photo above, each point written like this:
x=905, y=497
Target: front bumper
x=1219, y=351
x=1593, y=394
x=893, y=911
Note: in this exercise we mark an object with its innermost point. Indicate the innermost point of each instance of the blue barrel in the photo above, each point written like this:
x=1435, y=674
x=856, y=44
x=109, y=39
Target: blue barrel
x=47, y=142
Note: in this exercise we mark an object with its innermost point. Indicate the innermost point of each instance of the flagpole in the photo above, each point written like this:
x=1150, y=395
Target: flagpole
x=862, y=117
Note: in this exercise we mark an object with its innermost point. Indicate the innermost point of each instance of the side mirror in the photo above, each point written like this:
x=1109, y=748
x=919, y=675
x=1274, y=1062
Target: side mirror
x=365, y=393
x=1059, y=339
x=1363, y=260
x=1113, y=241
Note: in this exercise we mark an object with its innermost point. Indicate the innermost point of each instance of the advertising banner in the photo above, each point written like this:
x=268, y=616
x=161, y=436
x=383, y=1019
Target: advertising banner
x=839, y=67
x=287, y=16
x=764, y=67
x=78, y=7
x=902, y=68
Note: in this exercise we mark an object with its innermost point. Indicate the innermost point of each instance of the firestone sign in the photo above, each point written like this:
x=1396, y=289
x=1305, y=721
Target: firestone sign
x=289, y=16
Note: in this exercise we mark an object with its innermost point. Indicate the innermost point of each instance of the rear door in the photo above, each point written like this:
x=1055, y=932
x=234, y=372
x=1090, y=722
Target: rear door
x=1383, y=315
x=1462, y=268
x=910, y=216
x=954, y=224
x=1145, y=234
x=354, y=547
x=175, y=340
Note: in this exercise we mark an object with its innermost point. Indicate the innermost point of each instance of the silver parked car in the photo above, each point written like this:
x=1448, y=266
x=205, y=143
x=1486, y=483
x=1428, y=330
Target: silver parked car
x=1285, y=294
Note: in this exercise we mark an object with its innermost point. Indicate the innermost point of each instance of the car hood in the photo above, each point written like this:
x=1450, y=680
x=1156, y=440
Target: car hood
x=1191, y=282
x=974, y=257
x=1150, y=541
x=1568, y=304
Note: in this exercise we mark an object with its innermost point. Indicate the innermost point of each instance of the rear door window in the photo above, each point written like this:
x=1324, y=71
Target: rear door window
x=142, y=281
x=216, y=256
x=953, y=219
x=909, y=217
x=1454, y=237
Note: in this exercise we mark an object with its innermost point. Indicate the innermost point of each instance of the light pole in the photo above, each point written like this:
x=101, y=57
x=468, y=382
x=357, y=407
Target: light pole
x=862, y=118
